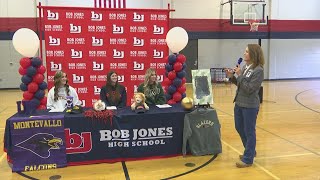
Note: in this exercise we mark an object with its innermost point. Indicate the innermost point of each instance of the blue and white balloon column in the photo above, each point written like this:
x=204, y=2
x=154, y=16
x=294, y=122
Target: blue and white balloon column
x=174, y=83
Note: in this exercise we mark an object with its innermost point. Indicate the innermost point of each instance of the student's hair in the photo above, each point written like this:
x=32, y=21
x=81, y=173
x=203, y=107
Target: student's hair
x=57, y=81
x=146, y=84
x=116, y=96
x=108, y=83
x=256, y=55
x=147, y=76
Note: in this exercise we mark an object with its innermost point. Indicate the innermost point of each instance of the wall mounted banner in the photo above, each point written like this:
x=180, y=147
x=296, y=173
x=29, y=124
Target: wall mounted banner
x=88, y=42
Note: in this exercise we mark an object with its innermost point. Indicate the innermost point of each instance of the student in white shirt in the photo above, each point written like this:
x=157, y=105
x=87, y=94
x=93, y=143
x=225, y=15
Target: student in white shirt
x=57, y=94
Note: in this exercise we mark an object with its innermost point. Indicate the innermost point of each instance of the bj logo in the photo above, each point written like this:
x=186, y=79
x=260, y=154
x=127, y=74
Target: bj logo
x=138, y=42
x=97, y=66
x=157, y=54
x=118, y=54
x=75, y=29
x=96, y=16
x=77, y=79
x=52, y=15
x=137, y=17
x=117, y=29
x=55, y=67
x=157, y=30
x=96, y=90
x=54, y=41
x=138, y=66
x=76, y=54
x=78, y=143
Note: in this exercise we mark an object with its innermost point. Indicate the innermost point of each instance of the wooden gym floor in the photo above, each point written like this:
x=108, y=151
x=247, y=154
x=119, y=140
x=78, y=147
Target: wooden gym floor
x=288, y=145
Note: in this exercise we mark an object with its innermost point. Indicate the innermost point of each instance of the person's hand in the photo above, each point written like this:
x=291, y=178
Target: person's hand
x=237, y=70
x=229, y=72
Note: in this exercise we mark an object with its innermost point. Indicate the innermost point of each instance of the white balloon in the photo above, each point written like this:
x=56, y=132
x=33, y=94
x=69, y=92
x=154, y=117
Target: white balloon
x=177, y=39
x=26, y=42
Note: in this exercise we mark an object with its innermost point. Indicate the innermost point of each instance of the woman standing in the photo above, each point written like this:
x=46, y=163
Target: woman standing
x=152, y=89
x=113, y=93
x=57, y=96
x=248, y=81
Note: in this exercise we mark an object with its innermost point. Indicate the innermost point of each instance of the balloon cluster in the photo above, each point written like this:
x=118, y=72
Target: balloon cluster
x=33, y=83
x=174, y=83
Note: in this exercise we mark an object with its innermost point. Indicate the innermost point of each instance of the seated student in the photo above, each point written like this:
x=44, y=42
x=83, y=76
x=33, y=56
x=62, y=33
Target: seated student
x=57, y=94
x=152, y=89
x=113, y=93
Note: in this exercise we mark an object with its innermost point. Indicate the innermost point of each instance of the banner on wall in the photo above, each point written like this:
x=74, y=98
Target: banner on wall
x=86, y=43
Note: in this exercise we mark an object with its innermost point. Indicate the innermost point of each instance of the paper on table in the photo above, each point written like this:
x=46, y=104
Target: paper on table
x=111, y=107
x=56, y=110
x=164, y=106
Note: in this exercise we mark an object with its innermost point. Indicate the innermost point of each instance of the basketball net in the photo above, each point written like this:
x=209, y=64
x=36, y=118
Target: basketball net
x=254, y=25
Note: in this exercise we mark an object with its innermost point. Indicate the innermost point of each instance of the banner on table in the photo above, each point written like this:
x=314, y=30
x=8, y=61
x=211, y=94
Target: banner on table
x=38, y=143
x=86, y=43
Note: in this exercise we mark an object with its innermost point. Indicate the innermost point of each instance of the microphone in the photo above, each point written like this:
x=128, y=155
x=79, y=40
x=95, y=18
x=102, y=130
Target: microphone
x=239, y=62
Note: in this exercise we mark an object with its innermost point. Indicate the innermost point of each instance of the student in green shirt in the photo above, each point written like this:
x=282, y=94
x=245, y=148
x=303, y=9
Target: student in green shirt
x=152, y=89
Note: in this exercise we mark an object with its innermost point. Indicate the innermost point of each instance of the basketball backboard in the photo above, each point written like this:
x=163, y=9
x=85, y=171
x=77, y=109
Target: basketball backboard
x=243, y=12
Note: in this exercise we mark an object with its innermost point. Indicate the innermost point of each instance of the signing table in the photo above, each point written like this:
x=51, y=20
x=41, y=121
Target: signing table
x=129, y=136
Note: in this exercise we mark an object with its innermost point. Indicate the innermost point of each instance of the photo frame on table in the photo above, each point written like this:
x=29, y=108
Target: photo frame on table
x=202, y=87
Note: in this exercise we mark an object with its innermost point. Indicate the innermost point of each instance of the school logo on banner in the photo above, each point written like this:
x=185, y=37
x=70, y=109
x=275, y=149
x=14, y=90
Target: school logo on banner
x=41, y=144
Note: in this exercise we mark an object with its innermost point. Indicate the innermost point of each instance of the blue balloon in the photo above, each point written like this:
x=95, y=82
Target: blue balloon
x=177, y=82
x=39, y=94
x=36, y=62
x=181, y=74
x=35, y=101
x=169, y=67
x=23, y=87
x=43, y=86
x=26, y=79
x=184, y=66
x=168, y=96
x=167, y=74
x=31, y=71
x=172, y=59
x=184, y=95
x=172, y=89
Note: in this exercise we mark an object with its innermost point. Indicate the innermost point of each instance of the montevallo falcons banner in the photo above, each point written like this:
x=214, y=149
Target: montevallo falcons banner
x=86, y=43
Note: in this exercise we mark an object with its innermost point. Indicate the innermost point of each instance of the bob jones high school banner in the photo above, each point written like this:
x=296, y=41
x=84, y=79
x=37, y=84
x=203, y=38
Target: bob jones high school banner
x=86, y=43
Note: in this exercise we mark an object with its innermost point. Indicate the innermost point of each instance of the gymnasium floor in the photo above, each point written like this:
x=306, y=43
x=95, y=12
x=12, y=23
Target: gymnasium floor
x=288, y=145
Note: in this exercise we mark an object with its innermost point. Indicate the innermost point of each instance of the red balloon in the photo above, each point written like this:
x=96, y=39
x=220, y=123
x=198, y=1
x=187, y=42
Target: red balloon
x=172, y=75
x=43, y=101
x=166, y=89
x=184, y=80
x=177, y=96
x=171, y=101
x=25, y=62
x=181, y=58
x=33, y=87
x=182, y=89
x=27, y=95
x=177, y=66
x=42, y=107
x=41, y=69
x=167, y=82
x=22, y=71
x=38, y=78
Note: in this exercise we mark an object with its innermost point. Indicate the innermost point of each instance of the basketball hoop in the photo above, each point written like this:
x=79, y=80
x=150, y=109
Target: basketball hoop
x=254, y=25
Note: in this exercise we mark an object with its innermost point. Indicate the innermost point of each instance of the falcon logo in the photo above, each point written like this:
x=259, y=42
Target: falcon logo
x=40, y=144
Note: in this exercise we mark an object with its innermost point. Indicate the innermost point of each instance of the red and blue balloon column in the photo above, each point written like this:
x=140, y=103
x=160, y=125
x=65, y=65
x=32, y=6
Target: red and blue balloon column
x=175, y=81
x=33, y=84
